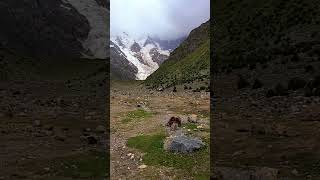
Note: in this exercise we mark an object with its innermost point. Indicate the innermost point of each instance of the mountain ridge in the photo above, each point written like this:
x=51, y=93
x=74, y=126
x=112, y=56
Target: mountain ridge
x=145, y=54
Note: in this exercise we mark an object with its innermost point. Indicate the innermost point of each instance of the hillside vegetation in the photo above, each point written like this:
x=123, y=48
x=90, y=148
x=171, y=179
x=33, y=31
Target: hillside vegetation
x=189, y=62
x=248, y=31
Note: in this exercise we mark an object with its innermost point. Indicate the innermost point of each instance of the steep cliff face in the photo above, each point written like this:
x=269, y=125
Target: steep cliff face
x=55, y=28
x=121, y=67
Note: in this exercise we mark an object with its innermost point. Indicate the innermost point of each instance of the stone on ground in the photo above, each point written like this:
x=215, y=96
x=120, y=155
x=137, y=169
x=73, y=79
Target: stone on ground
x=143, y=166
x=182, y=144
x=100, y=129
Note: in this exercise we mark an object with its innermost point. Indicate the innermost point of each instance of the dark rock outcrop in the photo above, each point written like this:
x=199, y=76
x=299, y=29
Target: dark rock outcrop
x=42, y=29
x=121, y=67
x=55, y=28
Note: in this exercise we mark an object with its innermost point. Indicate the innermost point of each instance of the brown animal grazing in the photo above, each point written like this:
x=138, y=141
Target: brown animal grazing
x=174, y=121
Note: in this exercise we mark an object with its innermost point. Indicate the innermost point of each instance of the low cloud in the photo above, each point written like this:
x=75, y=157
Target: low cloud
x=167, y=19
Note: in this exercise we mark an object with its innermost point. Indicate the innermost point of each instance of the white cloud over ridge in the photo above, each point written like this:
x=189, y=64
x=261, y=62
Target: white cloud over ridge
x=167, y=19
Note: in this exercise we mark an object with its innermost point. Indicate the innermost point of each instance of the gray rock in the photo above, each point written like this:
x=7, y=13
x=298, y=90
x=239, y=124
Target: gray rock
x=92, y=140
x=37, y=123
x=60, y=137
x=100, y=129
x=183, y=144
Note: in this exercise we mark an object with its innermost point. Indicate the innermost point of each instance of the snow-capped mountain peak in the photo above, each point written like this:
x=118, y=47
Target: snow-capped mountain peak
x=146, y=53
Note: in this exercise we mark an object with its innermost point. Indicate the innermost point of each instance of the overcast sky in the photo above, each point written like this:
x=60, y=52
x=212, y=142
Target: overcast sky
x=167, y=19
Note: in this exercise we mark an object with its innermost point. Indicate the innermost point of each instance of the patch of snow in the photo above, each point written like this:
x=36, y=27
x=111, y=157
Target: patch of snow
x=148, y=66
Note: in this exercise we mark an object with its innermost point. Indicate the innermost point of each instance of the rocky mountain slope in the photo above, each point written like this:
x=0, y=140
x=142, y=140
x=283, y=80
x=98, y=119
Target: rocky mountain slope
x=169, y=45
x=249, y=31
x=266, y=88
x=53, y=85
x=62, y=28
x=188, y=62
x=121, y=67
x=140, y=57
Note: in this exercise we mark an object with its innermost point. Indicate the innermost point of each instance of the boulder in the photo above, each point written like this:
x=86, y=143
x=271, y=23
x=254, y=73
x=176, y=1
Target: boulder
x=257, y=84
x=36, y=123
x=100, y=129
x=183, y=144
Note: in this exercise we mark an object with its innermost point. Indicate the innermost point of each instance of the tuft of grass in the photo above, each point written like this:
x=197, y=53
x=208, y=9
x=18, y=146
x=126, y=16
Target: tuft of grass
x=138, y=114
x=203, y=176
x=152, y=145
x=191, y=126
x=84, y=165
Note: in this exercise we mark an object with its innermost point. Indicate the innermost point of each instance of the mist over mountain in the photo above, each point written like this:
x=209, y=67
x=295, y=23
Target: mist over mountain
x=166, y=19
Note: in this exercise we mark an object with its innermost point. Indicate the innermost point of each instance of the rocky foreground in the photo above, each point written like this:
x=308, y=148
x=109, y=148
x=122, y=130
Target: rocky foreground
x=52, y=129
x=266, y=120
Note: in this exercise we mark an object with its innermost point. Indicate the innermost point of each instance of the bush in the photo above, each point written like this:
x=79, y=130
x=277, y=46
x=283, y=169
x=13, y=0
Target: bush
x=307, y=91
x=316, y=92
x=242, y=83
x=252, y=66
x=174, y=89
x=312, y=88
x=309, y=69
x=257, y=84
x=280, y=90
x=202, y=88
x=296, y=83
x=316, y=81
x=196, y=90
x=270, y=93
x=295, y=58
